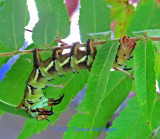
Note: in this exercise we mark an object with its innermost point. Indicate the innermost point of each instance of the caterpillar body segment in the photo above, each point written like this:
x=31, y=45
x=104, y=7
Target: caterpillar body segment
x=34, y=100
x=74, y=61
x=36, y=79
x=90, y=52
x=37, y=58
x=57, y=52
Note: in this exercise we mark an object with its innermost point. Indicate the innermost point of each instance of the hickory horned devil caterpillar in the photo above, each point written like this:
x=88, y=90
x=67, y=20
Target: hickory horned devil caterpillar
x=34, y=100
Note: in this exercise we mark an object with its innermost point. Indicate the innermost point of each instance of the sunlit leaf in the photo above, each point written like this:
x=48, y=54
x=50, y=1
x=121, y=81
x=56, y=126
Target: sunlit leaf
x=145, y=78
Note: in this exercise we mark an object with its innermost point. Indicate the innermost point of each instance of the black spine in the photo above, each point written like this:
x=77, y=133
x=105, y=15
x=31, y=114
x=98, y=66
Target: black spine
x=54, y=53
x=36, y=62
x=73, y=48
x=88, y=49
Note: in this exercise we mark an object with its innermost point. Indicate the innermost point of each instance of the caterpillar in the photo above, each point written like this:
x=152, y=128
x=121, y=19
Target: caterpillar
x=34, y=100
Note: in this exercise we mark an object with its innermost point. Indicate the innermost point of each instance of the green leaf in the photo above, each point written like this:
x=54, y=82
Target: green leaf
x=145, y=78
x=117, y=6
x=1, y=112
x=53, y=21
x=149, y=33
x=123, y=20
x=157, y=45
x=73, y=84
x=156, y=114
x=102, y=35
x=119, y=85
x=3, y=59
x=97, y=83
x=9, y=108
x=12, y=87
x=121, y=13
x=32, y=46
x=99, y=76
x=157, y=59
x=77, y=127
x=146, y=17
x=94, y=18
x=131, y=123
x=12, y=23
x=157, y=65
x=118, y=3
x=158, y=81
x=1, y=3
x=117, y=91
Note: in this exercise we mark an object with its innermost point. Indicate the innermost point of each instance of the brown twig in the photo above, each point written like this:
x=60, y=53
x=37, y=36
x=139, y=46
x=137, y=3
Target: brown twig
x=60, y=41
x=28, y=30
x=69, y=46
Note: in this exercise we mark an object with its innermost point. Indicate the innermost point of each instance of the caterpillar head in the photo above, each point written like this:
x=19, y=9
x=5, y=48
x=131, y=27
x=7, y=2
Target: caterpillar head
x=33, y=99
x=124, y=51
x=33, y=96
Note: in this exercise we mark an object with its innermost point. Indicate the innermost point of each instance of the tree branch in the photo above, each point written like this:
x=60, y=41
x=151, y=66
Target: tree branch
x=69, y=46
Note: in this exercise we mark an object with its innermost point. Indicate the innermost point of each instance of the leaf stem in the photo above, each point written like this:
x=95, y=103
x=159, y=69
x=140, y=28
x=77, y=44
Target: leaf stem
x=130, y=75
x=69, y=46
x=9, y=108
x=7, y=103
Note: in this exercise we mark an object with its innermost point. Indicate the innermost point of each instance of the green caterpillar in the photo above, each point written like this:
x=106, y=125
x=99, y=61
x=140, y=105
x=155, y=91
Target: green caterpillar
x=34, y=100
